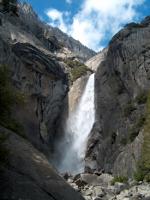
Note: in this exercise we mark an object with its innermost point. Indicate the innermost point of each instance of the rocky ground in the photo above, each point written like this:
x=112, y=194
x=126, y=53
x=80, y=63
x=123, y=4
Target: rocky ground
x=99, y=187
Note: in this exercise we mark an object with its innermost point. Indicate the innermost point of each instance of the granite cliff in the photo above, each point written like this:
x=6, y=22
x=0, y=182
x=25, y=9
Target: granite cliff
x=119, y=140
x=48, y=71
x=33, y=58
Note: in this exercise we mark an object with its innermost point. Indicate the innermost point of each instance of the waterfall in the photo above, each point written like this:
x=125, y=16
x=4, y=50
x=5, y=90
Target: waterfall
x=78, y=127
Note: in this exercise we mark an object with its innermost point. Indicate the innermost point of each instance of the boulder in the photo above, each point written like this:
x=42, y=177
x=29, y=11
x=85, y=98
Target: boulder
x=98, y=191
x=29, y=175
x=118, y=187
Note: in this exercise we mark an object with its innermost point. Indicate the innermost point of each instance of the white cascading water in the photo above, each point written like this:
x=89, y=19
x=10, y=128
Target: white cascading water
x=78, y=127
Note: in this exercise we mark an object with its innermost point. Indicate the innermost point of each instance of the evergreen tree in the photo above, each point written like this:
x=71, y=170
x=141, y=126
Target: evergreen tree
x=13, y=6
x=10, y=5
x=6, y=5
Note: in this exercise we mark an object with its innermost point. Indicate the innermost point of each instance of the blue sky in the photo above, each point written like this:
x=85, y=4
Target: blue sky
x=92, y=22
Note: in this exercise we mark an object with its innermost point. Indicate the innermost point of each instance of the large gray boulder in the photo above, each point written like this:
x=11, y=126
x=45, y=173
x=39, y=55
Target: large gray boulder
x=28, y=174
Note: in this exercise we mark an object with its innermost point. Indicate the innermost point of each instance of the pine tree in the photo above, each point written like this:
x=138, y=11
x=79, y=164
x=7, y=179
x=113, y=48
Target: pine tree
x=6, y=5
x=10, y=5
x=13, y=6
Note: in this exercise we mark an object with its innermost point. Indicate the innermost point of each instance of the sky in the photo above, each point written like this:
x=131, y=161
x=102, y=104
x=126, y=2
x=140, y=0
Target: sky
x=92, y=22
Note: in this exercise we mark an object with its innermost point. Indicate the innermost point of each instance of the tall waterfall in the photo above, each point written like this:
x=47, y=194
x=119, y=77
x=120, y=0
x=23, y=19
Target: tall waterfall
x=78, y=127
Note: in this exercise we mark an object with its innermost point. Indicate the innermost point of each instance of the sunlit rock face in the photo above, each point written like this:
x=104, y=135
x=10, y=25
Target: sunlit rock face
x=94, y=62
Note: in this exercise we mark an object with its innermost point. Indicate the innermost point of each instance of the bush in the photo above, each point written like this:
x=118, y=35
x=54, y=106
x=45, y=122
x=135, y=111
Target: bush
x=145, y=159
x=77, y=69
x=147, y=177
x=4, y=152
x=13, y=125
x=142, y=173
x=143, y=169
x=10, y=5
x=133, y=134
x=124, y=141
x=8, y=98
x=134, y=131
x=139, y=176
x=77, y=72
x=129, y=109
x=120, y=179
x=141, y=98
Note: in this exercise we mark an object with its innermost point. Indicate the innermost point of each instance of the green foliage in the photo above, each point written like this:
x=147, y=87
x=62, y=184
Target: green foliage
x=4, y=152
x=113, y=137
x=141, y=98
x=129, y=109
x=141, y=172
x=143, y=169
x=134, y=131
x=141, y=121
x=10, y=5
x=78, y=69
x=147, y=177
x=120, y=179
x=12, y=124
x=77, y=72
x=133, y=134
x=8, y=98
x=73, y=63
x=124, y=141
x=139, y=175
x=146, y=145
x=134, y=25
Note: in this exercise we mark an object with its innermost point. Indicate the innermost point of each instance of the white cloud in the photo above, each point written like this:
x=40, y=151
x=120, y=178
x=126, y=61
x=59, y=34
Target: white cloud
x=57, y=18
x=69, y=1
x=96, y=19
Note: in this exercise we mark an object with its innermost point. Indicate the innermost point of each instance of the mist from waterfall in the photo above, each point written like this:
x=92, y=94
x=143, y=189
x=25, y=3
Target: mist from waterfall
x=78, y=127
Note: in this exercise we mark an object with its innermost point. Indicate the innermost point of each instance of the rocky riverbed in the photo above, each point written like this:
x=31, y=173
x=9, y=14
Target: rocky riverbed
x=98, y=186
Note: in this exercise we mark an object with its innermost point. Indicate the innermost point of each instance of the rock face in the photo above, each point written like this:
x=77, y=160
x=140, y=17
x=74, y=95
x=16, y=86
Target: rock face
x=28, y=174
x=46, y=33
x=76, y=91
x=96, y=60
x=31, y=49
x=43, y=82
x=121, y=81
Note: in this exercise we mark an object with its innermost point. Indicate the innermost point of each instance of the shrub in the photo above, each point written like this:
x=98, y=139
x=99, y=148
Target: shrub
x=129, y=109
x=13, y=125
x=141, y=98
x=77, y=72
x=143, y=169
x=140, y=122
x=134, y=131
x=147, y=177
x=145, y=159
x=124, y=141
x=9, y=5
x=141, y=173
x=139, y=176
x=77, y=69
x=120, y=179
x=3, y=150
x=8, y=98
x=133, y=134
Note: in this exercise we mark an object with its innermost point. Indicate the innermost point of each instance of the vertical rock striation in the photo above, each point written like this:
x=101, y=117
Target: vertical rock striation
x=121, y=84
